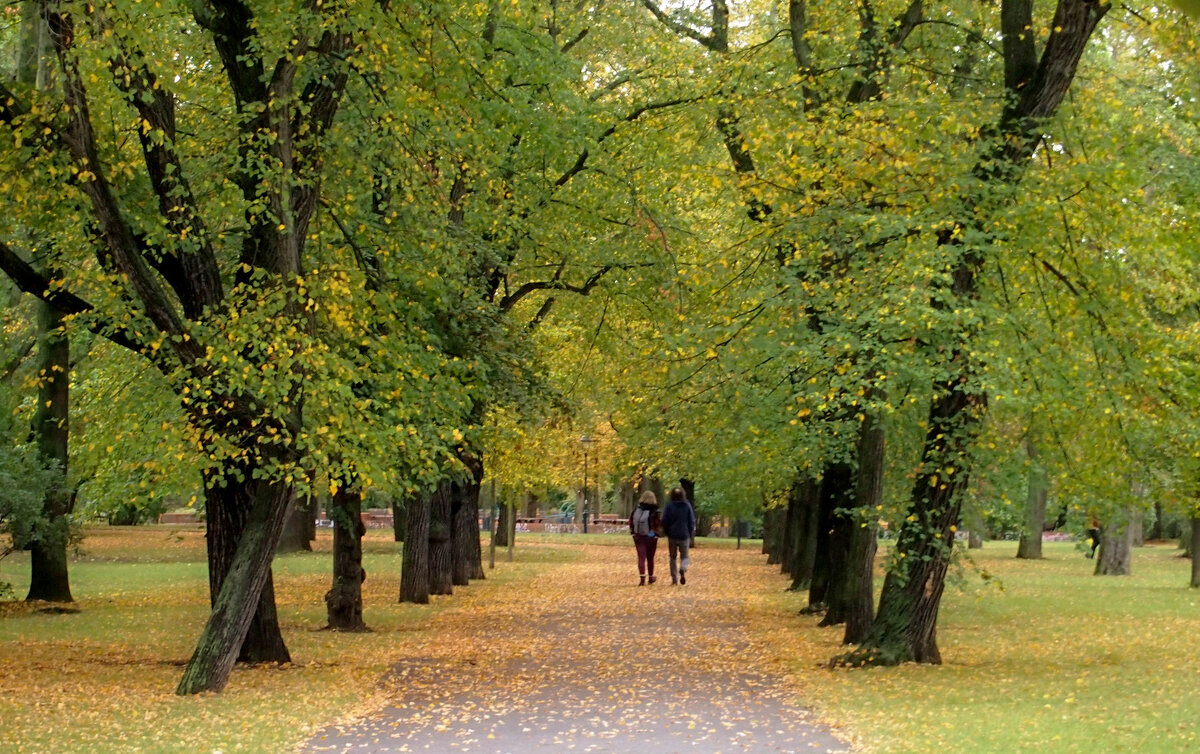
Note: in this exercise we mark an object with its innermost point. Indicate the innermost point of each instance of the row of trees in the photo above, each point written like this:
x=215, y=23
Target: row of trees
x=372, y=245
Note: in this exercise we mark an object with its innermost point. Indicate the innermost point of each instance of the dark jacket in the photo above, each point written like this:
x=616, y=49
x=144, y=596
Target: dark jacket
x=679, y=521
x=655, y=518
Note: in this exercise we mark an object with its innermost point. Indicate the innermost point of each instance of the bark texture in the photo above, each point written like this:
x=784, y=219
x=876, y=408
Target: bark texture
x=237, y=601
x=1030, y=546
x=399, y=520
x=343, y=601
x=504, y=525
x=837, y=499
x=462, y=525
x=803, y=530
x=414, y=574
x=296, y=535
x=1115, y=557
x=226, y=514
x=48, y=572
x=773, y=530
x=441, y=559
x=860, y=561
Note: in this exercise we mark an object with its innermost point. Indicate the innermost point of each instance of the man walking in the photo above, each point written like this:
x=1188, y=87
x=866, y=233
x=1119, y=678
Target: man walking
x=679, y=524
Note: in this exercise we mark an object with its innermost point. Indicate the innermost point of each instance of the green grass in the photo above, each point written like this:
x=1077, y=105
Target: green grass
x=1043, y=657
x=103, y=679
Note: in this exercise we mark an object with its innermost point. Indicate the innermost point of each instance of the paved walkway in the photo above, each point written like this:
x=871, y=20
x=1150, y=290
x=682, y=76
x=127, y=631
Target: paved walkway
x=607, y=667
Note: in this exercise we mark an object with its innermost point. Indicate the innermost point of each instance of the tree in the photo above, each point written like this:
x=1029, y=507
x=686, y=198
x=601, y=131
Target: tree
x=198, y=229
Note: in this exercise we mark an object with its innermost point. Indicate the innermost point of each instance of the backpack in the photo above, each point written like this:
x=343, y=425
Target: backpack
x=641, y=521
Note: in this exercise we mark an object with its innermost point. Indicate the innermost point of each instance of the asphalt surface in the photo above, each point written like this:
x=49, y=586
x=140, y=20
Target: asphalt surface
x=587, y=661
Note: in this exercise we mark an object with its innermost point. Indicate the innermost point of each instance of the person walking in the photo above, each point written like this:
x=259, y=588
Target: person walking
x=679, y=525
x=644, y=523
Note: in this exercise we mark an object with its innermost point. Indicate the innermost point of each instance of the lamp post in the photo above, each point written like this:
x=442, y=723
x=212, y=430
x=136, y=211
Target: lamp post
x=585, y=441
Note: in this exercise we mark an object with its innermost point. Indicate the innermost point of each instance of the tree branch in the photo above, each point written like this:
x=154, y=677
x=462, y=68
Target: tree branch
x=232, y=28
x=581, y=161
x=510, y=300
x=683, y=29
x=193, y=276
x=29, y=280
x=18, y=357
x=1016, y=31
x=118, y=237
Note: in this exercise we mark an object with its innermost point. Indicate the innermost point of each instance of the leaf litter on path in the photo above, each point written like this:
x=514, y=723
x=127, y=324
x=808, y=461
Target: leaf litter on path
x=584, y=660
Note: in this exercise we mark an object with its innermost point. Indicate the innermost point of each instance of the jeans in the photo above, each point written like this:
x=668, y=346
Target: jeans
x=645, y=551
x=680, y=547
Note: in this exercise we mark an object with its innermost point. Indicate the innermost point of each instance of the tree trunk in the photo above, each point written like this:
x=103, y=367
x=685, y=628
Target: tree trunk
x=441, y=559
x=241, y=589
x=868, y=496
x=343, y=601
x=1136, y=531
x=976, y=526
x=626, y=495
x=462, y=549
x=399, y=519
x=837, y=497
x=1156, y=529
x=504, y=520
x=655, y=485
x=787, y=542
x=773, y=526
x=704, y=520
x=295, y=528
x=1116, y=547
x=807, y=533
x=414, y=573
x=48, y=576
x=310, y=521
x=763, y=515
x=226, y=511
x=263, y=641
x=1195, y=543
x=905, y=627
x=837, y=563
x=48, y=572
x=475, y=546
x=830, y=544
x=1030, y=546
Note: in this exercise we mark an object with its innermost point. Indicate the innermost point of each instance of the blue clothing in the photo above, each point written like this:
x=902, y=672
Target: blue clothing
x=678, y=520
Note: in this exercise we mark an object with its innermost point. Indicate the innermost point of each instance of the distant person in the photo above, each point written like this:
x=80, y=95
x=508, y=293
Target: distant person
x=1093, y=533
x=644, y=524
x=679, y=525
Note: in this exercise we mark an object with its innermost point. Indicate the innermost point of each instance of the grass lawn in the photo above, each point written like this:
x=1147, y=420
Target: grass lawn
x=103, y=679
x=1040, y=657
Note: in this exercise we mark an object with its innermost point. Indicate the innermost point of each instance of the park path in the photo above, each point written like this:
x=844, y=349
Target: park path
x=584, y=660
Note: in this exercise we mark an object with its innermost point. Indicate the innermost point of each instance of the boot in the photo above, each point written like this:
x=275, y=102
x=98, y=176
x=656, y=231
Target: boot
x=643, y=581
x=653, y=579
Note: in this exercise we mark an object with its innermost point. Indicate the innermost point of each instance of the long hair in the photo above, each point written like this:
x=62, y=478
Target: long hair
x=648, y=497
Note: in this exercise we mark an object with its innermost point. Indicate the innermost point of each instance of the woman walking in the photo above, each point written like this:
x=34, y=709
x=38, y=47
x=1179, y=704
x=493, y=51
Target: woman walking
x=643, y=525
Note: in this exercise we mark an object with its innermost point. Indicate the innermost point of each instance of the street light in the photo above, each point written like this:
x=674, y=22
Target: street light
x=585, y=441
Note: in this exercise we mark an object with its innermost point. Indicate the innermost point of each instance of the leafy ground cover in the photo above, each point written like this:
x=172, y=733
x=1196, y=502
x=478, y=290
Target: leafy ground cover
x=103, y=679
x=1039, y=656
